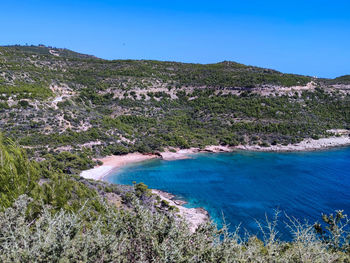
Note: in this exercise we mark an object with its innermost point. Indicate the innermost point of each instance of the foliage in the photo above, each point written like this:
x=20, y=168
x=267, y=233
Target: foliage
x=45, y=185
x=24, y=90
x=142, y=190
x=18, y=176
x=334, y=231
x=47, y=216
x=124, y=106
x=67, y=162
x=140, y=235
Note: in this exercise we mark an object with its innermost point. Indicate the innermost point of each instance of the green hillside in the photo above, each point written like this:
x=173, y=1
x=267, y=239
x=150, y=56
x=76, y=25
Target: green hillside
x=60, y=109
x=54, y=100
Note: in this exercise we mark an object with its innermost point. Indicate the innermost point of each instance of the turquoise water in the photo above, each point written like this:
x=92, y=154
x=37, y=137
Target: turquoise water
x=244, y=186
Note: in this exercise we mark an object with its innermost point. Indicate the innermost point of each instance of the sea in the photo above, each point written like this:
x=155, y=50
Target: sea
x=244, y=189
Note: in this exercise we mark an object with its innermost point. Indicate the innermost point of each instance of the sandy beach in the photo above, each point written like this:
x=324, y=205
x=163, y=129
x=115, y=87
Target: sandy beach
x=111, y=163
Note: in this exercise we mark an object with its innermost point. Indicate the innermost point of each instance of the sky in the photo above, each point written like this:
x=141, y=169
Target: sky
x=304, y=37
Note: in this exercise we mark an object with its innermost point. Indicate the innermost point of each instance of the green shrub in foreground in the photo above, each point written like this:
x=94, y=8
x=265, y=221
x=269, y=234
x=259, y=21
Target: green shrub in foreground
x=140, y=235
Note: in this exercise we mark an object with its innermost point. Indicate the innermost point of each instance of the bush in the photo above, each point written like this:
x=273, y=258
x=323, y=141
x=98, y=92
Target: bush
x=18, y=175
x=140, y=235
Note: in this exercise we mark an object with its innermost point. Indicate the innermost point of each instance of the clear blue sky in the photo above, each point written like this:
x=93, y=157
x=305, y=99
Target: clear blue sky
x=306, y=37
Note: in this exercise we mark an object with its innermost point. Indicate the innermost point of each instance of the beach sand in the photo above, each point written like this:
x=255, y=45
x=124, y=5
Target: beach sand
x=113, y=162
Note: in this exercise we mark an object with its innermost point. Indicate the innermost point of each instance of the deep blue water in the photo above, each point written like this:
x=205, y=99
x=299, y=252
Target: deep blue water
x=244, y=186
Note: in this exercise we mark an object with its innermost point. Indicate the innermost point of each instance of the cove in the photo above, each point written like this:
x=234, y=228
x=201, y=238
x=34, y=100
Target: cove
x=245, y=186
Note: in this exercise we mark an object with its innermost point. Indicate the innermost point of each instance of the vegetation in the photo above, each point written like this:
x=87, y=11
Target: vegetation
x=139, y=235
x=55, y=100
x=20, y=176
x=340, y=80
x=46, y=216
x=27, y=91
x=66, y=108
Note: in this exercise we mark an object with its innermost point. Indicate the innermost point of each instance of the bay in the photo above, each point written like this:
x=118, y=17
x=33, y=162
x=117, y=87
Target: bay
x=244, y=187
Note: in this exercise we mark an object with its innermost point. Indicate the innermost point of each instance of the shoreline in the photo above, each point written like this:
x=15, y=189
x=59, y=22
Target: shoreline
x=193, y=216
x=111, y=163
x=197, y=216
x=307, y=145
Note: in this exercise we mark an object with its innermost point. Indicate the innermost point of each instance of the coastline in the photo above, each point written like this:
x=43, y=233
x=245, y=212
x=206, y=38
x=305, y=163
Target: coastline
x=306, y=145
x=197, y=216
x=194, y=216
x=113, y=162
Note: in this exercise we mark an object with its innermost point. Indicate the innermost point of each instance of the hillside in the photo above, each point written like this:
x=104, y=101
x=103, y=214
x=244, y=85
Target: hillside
x=56, y=100
x=60, y=109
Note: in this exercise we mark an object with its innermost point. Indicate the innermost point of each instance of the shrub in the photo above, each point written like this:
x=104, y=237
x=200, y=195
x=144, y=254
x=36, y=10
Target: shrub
x=140, y=235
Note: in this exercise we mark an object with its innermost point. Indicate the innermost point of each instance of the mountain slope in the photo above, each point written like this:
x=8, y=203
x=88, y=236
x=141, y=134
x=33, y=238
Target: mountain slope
x=65, y=108
x=54, y=100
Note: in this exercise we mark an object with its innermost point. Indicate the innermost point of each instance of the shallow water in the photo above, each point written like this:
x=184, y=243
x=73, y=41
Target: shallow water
x=244, y=186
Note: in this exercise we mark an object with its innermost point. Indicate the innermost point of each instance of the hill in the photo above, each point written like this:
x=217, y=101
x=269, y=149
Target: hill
x=54, y=100
x=64, y=108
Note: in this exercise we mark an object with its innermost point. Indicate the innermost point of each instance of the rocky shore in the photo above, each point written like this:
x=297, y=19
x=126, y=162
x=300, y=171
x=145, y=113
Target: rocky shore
x=305, y=145
x=193, y=216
